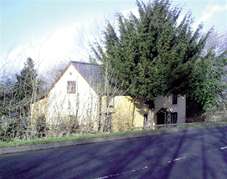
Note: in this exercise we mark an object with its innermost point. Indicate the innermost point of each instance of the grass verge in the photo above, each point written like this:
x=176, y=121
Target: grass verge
x=74, y=137
x=130, y=133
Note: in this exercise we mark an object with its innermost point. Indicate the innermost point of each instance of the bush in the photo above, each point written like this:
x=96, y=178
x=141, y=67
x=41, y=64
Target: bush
x=73, y=124
x=41, y=127
x=64, y=126
x=12, y=127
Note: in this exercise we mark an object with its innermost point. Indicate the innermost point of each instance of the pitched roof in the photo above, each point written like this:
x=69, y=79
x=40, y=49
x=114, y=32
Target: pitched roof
x=91, y=72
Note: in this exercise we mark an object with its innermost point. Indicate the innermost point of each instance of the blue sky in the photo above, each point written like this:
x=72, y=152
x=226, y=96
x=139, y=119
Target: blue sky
x=51, y=31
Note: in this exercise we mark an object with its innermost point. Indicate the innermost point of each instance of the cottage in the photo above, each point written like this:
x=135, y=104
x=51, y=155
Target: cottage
x=78, y=93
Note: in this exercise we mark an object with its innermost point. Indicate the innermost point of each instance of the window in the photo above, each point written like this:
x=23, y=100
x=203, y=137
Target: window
x=71, y=87
x=174, y=117
x=174, y=99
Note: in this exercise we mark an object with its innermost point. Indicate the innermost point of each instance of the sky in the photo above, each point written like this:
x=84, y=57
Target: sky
x=56, y=31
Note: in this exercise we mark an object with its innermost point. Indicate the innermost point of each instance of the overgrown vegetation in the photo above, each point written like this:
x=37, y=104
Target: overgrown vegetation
x=152, y=54
x=85, y=137
x=156, y=53
x=16, y=96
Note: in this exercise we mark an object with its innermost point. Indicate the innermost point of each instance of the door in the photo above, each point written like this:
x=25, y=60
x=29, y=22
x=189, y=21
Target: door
x=161, y=116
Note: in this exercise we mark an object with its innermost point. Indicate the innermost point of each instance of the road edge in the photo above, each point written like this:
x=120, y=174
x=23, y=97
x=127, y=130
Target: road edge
x=34, y=147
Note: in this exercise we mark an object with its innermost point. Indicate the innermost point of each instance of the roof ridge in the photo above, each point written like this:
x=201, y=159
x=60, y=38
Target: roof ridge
x=87, y=63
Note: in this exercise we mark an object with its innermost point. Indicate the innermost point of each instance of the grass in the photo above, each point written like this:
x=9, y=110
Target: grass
x=87, y=136
x=73, y=137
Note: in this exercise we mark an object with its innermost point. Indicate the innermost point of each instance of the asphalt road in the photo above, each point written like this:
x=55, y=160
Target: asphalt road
x=197, y=153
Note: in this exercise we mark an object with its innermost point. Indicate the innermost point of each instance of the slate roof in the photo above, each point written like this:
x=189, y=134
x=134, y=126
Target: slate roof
x=92, y=73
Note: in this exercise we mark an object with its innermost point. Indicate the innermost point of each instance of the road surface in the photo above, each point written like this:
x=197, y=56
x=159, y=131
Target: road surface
x=192, y=154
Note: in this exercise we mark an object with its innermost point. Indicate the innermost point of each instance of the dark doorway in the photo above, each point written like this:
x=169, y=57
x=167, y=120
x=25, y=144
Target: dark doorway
x=145, y=122
x=161, y=116
x=174, y=117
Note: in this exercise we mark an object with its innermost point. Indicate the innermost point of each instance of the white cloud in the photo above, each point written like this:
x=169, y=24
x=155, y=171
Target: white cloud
x=65, y=43
x=210, y=11
x=213, y=9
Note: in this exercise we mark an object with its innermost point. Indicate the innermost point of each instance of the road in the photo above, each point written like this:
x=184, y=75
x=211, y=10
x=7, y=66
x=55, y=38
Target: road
x=192, y=154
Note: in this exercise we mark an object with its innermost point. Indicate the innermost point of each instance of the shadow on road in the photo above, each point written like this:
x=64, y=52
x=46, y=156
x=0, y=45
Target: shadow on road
x=185, y=154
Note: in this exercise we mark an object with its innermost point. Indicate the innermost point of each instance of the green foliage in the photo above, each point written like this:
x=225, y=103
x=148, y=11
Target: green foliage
x=153, y=54
x=206, y=85
x=6, y=97
x=11, y=128
x=15, y=99
x=41, y=127
x=26, y=87
x=26, y=81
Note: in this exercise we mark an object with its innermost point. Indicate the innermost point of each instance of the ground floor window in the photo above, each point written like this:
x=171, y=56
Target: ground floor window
x=166, y=117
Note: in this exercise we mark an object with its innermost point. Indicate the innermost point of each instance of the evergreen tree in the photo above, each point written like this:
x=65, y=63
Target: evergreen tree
x=206, y=83
x=155, y=54
x=26, y=88
x=6, y=96
x=15, y=100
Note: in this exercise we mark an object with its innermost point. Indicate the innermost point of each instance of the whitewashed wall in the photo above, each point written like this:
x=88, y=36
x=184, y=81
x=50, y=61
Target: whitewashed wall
x=84, y=103
x=166, y=102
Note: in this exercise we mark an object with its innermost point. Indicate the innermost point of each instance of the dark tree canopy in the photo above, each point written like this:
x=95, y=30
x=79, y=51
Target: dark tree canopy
x=16, y=96
x=25, y=81
x=156, y=54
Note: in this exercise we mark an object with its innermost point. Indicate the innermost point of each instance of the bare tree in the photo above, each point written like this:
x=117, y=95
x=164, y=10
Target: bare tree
x=112, y=88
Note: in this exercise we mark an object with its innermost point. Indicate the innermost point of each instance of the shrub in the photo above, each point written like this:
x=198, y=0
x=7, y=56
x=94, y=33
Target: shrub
x=12, y=127
x=41, y=127
x=73, y=124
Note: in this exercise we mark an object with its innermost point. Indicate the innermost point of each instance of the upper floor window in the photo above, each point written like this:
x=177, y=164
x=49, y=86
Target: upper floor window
x=71, y=87
x=174, y=99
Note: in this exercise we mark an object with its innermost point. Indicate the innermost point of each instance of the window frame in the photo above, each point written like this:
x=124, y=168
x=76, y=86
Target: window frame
x=71, y=87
